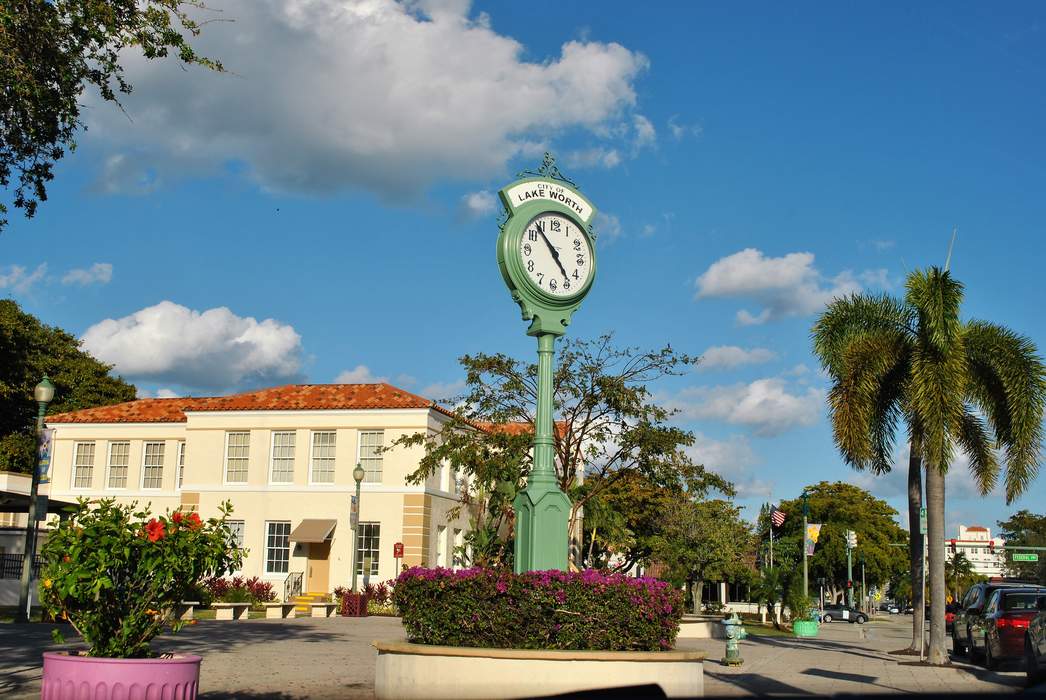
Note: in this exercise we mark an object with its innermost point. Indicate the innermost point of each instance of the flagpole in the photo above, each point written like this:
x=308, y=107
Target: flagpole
x=771, y=541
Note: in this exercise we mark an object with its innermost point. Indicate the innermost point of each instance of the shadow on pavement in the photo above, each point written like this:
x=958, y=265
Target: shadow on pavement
x=756, y=683
x=839, y=675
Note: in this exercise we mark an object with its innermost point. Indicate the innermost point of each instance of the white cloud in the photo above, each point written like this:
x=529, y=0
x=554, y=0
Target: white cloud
x=648, y=230
x=733, y=459
x=162, y=393
x=440, y=391
x=594, y=157
x=764, y=405
x=211, y=350
x=607, y=226
x=477, y=204
x=360, y=374
x=731, y=356
x=99, y=273
x=646, y=135
x=126, y=174
x=18, y=280
x=327, y=95
x=680, y=131
x=786, y=286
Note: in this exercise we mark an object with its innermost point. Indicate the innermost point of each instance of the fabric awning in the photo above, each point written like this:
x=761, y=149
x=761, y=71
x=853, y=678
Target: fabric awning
x=313, y=531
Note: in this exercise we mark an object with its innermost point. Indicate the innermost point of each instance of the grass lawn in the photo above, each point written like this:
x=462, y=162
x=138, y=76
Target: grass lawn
x=757, y=629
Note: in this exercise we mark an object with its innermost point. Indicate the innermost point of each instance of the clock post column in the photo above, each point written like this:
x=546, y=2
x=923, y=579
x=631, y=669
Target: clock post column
x=542, y=509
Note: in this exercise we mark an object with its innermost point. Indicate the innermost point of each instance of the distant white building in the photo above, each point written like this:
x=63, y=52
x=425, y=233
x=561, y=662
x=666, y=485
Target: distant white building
x=983, y=551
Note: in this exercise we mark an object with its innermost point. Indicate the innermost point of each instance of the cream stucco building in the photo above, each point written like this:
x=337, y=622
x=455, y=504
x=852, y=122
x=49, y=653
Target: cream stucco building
x=284, y=458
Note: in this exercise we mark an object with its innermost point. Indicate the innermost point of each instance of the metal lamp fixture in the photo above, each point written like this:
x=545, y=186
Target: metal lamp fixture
x=357, y=475
x=43, y=394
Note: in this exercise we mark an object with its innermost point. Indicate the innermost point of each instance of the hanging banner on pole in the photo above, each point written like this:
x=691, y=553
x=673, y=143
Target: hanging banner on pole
x=813, y=531
x=43, y=453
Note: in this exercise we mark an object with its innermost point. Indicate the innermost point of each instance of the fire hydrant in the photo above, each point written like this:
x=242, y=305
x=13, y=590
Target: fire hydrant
x=735, y=631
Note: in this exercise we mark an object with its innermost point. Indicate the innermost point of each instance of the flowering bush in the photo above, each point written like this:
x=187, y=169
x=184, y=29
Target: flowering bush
x=537, y=610
x=238, y=590
x=118, y=573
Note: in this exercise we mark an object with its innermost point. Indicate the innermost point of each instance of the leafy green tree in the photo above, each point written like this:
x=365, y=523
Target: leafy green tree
x=1027, y=529
x=53, y=50
x=608, y=429
x=703, y=541
x=959, y=575
x=840, y=506
x=973, y=384
x=28, y=351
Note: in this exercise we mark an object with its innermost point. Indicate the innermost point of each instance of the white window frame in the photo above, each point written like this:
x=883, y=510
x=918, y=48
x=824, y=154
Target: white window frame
x=441, y=546
x=272, y=454
x=289, y=547
x=180, y=466
x=241, y=543
x=225, y=460
x=77, y=467
x=359, y=454
x=375, y=551
x=163, y=458
x=109, y=466
x=312, y=456
x=458, y=541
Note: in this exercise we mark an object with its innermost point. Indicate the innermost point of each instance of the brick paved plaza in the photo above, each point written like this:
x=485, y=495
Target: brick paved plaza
x=333, y=658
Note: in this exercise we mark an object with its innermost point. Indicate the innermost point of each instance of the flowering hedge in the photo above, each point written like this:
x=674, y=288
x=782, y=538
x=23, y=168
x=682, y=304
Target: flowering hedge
x=537, y=610
x=237, y=590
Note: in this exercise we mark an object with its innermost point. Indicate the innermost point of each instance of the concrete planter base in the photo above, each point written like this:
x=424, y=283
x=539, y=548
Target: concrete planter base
x=426, y=672
x=71, y=677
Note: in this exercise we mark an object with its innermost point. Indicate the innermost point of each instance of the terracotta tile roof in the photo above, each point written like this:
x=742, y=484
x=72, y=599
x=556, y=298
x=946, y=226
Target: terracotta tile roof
x=293, y=397
x=976, y=528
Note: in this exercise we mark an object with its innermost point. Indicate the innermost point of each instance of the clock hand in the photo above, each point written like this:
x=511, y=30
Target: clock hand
x=555, y=255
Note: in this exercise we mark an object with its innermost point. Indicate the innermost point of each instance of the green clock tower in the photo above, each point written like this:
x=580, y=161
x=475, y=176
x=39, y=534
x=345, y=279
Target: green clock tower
x=547, y=258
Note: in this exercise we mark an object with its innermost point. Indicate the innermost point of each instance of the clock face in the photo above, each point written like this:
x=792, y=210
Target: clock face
x=555, y=255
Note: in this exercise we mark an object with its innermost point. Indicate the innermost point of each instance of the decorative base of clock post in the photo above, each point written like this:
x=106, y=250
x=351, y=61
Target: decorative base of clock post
x=542, y=512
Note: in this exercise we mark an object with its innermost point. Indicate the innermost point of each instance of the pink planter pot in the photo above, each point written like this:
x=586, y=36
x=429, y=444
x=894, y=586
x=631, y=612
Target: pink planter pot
x=85, y=677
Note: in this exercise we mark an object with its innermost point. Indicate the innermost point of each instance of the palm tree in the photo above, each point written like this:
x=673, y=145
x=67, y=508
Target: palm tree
x=975, y=385
x=959, y=571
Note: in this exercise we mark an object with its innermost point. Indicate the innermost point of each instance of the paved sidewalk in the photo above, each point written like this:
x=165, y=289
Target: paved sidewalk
x=333, y=658
x=839, y=660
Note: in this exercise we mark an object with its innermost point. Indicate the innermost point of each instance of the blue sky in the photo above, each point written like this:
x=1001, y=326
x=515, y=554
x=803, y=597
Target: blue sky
x=325, y=209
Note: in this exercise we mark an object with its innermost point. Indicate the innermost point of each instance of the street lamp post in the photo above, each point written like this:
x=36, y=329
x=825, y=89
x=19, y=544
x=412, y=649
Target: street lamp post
x=864, y=589
x=43, y=394
x=357, y=475
x=806, y=565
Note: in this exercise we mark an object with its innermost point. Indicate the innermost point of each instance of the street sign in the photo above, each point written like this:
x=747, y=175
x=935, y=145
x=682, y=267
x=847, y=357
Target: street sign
x=851, y=539
x=41, y=507
x=922, y=521
x=43, y=453
x=1025, y=556
x=397, y=550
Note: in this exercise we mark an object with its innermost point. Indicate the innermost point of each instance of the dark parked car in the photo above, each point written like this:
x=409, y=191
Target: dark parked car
x=1035, y=644
x=998, y=633
x=843, y=613
x=969, y=612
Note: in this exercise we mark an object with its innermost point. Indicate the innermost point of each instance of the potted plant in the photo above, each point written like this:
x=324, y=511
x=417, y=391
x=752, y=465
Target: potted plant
x=804, y=616
x=117, y=575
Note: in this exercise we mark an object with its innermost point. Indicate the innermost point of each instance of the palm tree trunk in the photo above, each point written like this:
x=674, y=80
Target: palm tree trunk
x=915, y=541
x=937, y=655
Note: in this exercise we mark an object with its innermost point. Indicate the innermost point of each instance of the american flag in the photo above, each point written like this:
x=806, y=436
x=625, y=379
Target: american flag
x=777, y=517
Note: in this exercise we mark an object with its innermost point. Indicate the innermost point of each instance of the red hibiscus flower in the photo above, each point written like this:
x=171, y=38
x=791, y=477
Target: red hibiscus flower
x=154, y=530
x=194, y=521
x=177, y=517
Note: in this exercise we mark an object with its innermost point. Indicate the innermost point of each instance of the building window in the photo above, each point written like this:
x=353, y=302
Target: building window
x=83, y=465
x=368, y=541
x=459, y=548
x=370, y=454
x=236, y=534
x=323, y=457
x=277, y=547
x=282, y=457
x=119, y=459
x=152, y=465
x=441, y=546
x=237, y=450
x=181, y=463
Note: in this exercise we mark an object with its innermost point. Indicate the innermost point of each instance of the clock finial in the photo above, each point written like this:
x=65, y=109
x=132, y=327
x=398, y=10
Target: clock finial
x=548, y=169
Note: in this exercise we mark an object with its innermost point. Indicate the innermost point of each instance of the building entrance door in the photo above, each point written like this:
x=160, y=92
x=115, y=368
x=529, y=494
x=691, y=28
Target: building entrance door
x=319, y=567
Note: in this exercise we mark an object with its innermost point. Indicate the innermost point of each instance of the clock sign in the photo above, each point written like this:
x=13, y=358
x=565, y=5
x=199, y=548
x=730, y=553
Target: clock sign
x=545, y=249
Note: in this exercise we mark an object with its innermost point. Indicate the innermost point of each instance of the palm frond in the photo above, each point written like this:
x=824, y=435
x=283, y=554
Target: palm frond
x=1008, y=383
x=866, y=400
x=974, y=439
x=850, y=316
x=935, y=396
x=936, y=296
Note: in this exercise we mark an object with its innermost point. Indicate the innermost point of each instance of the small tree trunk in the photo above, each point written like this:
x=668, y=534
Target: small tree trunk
x=937, y=655
x=699, y=589
x=915, y=541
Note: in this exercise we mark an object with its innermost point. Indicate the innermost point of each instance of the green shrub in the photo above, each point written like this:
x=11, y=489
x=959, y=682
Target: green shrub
x=537, y=610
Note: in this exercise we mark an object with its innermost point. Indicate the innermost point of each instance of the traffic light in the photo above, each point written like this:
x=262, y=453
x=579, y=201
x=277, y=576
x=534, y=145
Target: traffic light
x=952, y=545
x=851, y=539
x=991, y=547
x=849, y=584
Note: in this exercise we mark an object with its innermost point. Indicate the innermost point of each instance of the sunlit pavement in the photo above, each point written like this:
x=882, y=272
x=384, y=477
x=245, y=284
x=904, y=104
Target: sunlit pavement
x=333, y=658
x=845, y=658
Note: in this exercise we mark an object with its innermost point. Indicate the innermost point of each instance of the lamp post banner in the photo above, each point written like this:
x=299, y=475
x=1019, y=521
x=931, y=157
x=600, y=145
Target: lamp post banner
x=813, y=531
x=43, y=452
